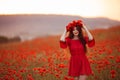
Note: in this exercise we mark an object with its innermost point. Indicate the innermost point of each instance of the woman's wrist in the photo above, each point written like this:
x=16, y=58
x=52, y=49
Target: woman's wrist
x=63, y=35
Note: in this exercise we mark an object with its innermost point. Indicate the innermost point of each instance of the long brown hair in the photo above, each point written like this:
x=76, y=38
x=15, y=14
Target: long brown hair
x=80, y=36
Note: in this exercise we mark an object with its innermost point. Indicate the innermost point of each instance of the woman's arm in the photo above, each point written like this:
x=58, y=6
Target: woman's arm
x=63, y=43
x=62, y=38
x=88, y=33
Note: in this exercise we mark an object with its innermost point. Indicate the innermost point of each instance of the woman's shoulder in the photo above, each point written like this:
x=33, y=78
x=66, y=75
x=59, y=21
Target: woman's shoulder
x=68, y=39
x=85, y=38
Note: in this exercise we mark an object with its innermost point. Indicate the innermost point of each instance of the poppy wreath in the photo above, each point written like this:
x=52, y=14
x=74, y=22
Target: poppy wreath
x=74, y=23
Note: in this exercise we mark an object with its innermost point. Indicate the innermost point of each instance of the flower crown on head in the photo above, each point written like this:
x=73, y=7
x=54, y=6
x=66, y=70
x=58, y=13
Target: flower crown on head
x=73, y=24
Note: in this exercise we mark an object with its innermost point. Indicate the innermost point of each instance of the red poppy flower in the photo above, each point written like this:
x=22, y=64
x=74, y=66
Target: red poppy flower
x=74, y=23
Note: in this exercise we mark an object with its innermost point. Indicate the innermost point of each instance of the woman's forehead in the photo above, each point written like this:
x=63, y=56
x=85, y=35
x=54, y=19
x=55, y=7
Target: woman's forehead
x=74, y=28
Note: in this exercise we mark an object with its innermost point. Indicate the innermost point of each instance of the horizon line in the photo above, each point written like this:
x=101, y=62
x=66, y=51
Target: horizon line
x=29, y=14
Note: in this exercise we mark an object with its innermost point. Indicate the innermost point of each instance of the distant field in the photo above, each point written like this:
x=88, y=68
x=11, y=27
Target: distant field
x=43, y=59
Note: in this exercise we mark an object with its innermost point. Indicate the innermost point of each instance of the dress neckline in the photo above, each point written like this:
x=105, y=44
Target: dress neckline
x=74, y=39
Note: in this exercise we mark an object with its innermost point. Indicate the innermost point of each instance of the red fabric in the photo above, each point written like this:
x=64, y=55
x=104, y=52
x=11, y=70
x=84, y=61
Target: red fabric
x=79, y=64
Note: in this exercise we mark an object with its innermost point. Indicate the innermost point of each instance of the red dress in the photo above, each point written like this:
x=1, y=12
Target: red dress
x=79, y=64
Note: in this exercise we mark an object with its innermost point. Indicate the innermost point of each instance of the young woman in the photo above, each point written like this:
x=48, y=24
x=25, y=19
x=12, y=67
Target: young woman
x=79, y=67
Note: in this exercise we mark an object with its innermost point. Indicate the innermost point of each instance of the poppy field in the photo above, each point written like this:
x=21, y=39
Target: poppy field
x=43, y=59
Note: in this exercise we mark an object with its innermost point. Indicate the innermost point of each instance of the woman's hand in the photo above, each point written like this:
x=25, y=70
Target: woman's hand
x=65, y=30
x=84, y=27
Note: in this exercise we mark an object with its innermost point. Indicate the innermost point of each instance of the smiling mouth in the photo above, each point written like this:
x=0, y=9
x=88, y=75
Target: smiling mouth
x=76, y=33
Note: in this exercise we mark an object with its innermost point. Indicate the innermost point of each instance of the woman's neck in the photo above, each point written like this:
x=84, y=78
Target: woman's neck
x=75, y=37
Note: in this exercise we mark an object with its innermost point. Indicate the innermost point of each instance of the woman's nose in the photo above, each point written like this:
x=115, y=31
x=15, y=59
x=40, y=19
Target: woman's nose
x=75, y=30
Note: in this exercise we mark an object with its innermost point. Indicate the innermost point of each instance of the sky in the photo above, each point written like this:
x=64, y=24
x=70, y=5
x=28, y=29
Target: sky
x=85, y=8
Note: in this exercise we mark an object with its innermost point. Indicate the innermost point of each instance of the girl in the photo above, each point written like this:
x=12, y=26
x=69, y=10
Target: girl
x=79, y=67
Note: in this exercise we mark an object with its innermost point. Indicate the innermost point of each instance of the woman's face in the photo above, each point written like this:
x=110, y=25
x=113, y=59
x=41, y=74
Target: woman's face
x=75, y=31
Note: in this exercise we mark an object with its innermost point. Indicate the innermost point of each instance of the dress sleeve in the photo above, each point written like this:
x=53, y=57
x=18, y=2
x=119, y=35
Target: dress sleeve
x=64, y=44
x=90, y=43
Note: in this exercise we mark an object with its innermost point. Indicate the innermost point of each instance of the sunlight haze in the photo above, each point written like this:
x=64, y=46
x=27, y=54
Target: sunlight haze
x=86, y=8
